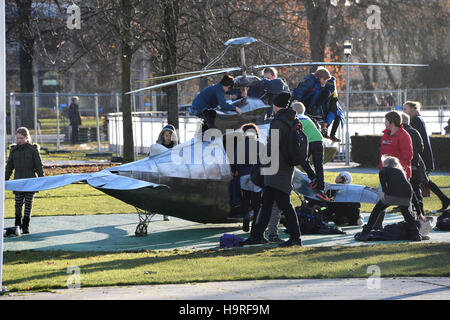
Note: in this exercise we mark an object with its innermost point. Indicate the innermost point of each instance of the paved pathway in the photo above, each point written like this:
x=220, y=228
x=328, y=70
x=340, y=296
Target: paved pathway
x=302, y=289
x=115, y=232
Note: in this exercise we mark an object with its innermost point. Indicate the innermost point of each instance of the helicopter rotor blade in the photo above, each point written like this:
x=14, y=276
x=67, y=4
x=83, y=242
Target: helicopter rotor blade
x=295, y=64
x=170, y=83
x=181, y=74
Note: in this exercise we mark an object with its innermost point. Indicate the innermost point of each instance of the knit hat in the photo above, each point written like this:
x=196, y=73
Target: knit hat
x=282, y=100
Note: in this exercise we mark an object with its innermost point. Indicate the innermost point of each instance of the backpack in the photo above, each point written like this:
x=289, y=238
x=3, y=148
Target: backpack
x=230, y=240
x=443, y=221
x=297, y=141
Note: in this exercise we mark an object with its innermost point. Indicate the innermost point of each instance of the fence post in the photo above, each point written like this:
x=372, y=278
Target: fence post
x=57, y=121
x=35, y=103
x=12, y=103
x=96, y=120
x=117, y=125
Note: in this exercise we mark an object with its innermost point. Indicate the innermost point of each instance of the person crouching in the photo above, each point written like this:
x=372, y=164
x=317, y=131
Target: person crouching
x=396, y=190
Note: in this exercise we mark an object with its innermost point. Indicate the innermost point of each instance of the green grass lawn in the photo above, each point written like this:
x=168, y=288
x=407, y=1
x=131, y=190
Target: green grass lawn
x=46, y=270
x=32, y=270
x=74, y=199
x=81, y=199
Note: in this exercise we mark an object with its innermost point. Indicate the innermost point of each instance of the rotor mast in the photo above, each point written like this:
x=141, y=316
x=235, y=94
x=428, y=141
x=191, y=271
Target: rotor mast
x=244, y=67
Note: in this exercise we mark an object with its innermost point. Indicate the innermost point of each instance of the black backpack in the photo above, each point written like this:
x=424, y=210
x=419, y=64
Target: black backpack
x=297, y=150
x=443, y=221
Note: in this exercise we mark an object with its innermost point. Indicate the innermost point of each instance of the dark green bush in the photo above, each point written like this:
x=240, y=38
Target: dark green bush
x=366, y=151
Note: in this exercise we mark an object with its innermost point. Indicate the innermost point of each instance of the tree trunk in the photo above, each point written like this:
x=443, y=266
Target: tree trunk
x=126, y=58
x=171, y=12
x=317, y=16
x=26, y=59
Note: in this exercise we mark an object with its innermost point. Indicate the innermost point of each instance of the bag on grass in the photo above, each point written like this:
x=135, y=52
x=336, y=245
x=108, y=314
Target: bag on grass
x=229, y=240
x=443, y=221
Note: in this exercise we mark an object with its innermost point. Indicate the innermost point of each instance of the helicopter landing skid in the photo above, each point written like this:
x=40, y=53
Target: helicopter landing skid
x=144, y=219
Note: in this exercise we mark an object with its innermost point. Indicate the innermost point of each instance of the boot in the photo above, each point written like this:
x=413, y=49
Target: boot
x=445, y=204
x=25, y=225
x=363, y=235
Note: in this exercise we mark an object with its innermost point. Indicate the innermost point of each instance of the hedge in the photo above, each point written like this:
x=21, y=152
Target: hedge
x=365, y=150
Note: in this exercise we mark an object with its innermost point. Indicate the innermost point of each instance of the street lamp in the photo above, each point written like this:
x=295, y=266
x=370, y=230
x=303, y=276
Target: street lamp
x=347, y=52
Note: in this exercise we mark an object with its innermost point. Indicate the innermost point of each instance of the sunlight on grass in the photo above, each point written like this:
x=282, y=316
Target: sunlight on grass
x=35, y=270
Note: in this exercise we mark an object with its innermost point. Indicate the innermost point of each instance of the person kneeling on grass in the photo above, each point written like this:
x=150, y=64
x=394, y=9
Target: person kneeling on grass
x=342, y=213
x=396, y=190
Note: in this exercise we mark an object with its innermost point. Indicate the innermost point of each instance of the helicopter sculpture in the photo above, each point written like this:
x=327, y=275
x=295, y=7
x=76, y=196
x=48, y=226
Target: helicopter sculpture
x=191, y=181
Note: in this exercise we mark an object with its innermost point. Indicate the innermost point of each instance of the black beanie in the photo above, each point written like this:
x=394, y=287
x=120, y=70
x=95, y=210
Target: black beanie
x=282, y=100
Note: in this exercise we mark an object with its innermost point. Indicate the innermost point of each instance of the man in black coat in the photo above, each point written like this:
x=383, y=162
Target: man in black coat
x=412, y=108
x=278, y=186
x=75, y=119
x=417, y=166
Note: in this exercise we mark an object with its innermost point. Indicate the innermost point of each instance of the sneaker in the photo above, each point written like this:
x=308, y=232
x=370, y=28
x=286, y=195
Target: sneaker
x=322, y=195
x=360, y=221
x=291, y=243
x=416, y=237
x=252, y=241
x=362, y=236
x=445, y=204
x=425, y=237
x=275, y=239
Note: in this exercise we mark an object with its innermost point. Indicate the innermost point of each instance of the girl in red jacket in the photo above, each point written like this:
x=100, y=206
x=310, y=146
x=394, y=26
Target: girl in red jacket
x=396, y=141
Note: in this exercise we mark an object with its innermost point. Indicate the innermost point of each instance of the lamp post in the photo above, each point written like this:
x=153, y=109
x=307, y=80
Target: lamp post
x=347, y=52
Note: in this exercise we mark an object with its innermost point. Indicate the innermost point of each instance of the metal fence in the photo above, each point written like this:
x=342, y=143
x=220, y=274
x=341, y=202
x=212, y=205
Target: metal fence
x=45, y=114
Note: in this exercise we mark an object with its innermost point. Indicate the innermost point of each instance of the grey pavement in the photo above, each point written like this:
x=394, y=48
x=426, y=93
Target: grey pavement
x=115, y=233
x=419, y=288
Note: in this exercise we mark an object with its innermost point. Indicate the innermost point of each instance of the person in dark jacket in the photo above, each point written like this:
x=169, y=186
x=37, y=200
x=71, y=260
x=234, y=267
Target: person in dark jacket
x=246, y=156
x=213, y=96
x=412, y=108
x=278, y=187
x=418, y=174
x=74, y=119
x=25, y=160
x=330, y=109
x=310, y=89
x=396, y=190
